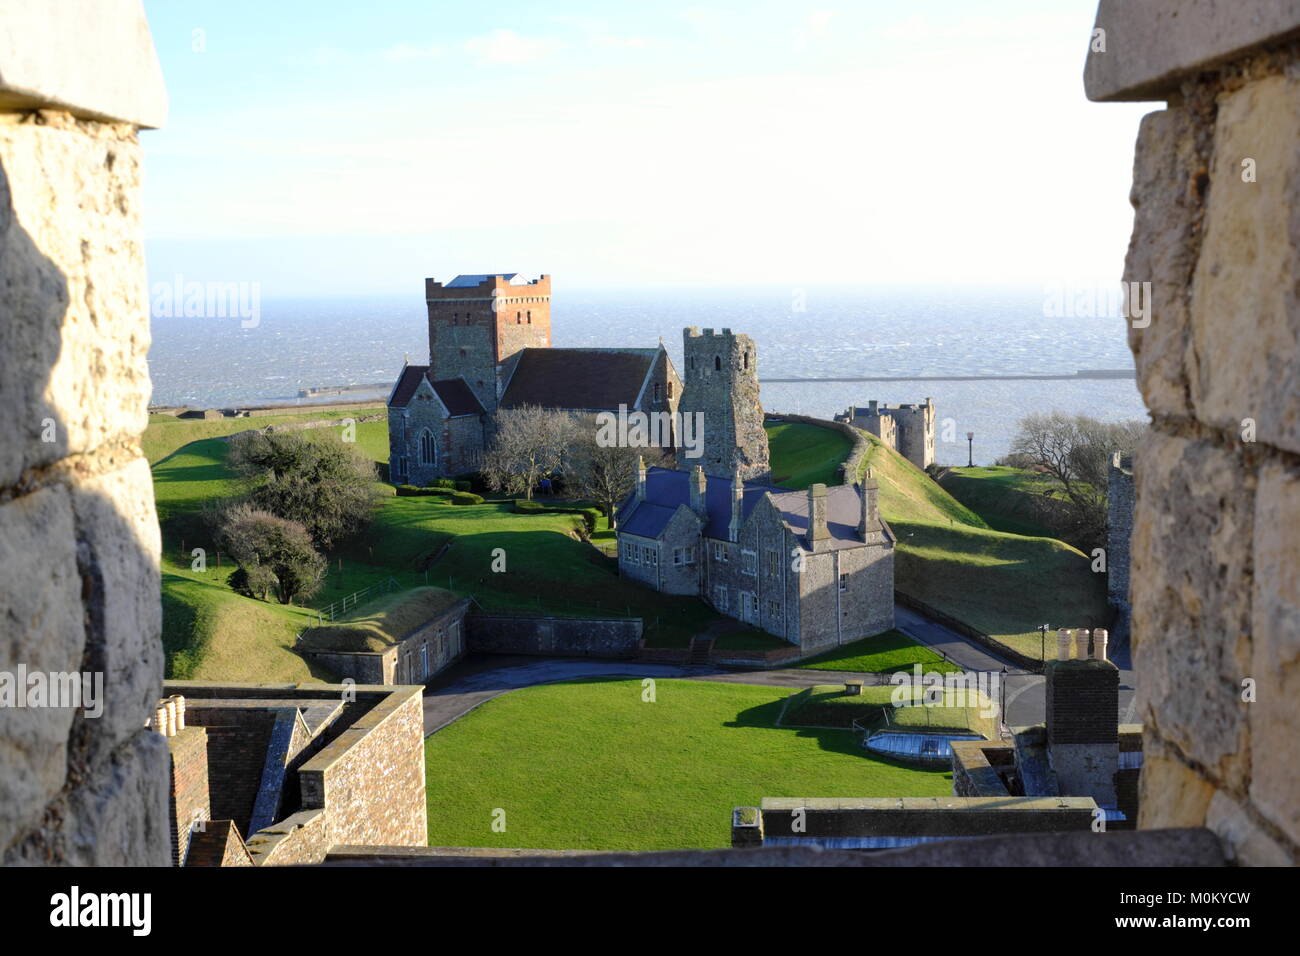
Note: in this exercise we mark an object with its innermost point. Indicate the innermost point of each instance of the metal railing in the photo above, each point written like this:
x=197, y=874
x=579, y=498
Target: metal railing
x=353, y=600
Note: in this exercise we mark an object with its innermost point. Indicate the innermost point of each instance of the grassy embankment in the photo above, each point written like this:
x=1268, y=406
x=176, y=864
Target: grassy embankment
x=1001, y=583
x=1008, y=499
x=209, y=632
x=829, y=705
x=658, y=775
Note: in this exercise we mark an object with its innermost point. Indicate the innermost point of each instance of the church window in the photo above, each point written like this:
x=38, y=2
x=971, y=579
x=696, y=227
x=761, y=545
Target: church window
x=745, y=359
x=530, y=316
x=690, y=363
x=717, y=363
x=670, y=390
x=657, y=390
x=427, y=449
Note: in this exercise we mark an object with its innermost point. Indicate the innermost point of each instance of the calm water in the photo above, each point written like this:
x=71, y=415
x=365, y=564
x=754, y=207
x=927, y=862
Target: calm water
x=305, y=343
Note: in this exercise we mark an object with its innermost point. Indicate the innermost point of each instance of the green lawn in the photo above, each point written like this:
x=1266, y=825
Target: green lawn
x=876, y=708
x=804, y=455
x=882, y=654
x=591, y=766
x=1007, y=499
x=166, y=434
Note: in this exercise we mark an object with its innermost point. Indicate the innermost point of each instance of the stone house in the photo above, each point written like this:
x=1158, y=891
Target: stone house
x=815, y=568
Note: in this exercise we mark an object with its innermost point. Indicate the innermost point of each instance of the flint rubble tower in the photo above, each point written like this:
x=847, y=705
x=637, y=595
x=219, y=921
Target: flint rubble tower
x=478, y=323
x=721, y=381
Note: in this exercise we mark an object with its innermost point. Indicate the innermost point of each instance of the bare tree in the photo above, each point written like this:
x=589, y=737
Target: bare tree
x=530, y=443
x=1075, y=450
x=606, y=473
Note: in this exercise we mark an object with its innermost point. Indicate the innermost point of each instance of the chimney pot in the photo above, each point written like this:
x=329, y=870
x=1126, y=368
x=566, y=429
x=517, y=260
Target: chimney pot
x=178, y=721
x=1100, y=638
x=1063, y=644
x=160, y=720
x=1081, y=643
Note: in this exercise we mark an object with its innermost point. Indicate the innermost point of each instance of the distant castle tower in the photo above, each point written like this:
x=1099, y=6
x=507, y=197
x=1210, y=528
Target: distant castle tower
x=721, y=381
x=477, y=323
x=908, y=429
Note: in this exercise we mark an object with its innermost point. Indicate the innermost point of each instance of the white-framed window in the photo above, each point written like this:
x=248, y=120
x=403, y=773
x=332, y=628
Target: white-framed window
x=844, y=582
x=428, y=448
x=424, y=662
x=749, y=562
x=721, y=552
x=651, y=556
x=690, y=554
x=679, y=557
x=631, y=552
x=720, y=596
x=773, y=563
x=773, y=609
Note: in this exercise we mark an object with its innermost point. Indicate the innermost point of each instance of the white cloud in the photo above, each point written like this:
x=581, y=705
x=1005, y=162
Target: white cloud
x=509, y=47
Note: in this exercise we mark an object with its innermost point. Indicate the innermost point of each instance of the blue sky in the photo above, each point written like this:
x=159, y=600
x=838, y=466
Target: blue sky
x=342, y=148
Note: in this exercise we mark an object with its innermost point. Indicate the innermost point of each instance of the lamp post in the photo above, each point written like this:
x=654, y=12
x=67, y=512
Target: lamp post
x=1042, y=642
x=970, y=449
x=1002, y=711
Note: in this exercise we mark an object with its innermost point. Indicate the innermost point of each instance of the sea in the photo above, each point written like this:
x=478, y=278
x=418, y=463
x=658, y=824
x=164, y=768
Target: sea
x=912, y=333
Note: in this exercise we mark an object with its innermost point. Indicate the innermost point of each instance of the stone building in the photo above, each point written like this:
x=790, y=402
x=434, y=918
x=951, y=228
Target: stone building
x=815, y=568
x=721, y=392
x=489, y=349
x=279, y=774
x=908, y=429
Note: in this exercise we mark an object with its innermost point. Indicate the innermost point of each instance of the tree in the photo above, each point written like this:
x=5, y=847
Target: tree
x=272, y=553
x=607, y=473
x=530, y=443
x=324, y=485
x=1075, y=450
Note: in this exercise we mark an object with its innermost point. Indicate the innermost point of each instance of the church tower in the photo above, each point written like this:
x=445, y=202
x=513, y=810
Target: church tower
x=478, y=323
x=721, y=383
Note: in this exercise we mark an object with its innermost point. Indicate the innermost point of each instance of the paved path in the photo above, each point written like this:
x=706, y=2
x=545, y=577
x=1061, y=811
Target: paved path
x=468, y=684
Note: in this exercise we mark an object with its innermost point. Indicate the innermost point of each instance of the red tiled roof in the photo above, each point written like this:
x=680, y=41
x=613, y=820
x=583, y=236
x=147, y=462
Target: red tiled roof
x=582, y=379
x=453, y=392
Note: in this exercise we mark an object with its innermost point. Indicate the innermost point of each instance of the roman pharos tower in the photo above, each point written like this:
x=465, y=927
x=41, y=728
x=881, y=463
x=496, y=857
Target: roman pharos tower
x=721, y=383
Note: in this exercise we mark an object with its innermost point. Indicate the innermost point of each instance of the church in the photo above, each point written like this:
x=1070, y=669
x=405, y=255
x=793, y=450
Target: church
x=490, y=348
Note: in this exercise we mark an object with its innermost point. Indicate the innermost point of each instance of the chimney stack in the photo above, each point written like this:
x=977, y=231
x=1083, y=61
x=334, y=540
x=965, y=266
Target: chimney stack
x=817, y=530
x=699, y=490
x=737, y=505
x=1083, y=722
x=870, y=516
x=640, y=478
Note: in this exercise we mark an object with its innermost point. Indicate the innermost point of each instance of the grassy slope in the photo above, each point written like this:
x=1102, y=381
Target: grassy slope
x=1000, y=583
x=1008, y=499
x=657, y=776
x=804, y=455
x=167, y=433
x=881, y=654
x=828, y=705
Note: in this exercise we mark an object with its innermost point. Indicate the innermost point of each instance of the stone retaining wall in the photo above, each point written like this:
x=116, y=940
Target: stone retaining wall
x=555, y=636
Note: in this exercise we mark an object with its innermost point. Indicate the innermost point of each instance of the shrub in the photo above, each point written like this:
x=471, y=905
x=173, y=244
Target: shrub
x=273, y=553
x=416, y=491
x=465, y=498
x=590, y=516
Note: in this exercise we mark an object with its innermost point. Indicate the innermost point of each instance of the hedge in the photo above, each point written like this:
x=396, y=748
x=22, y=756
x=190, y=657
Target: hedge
x=590, y=516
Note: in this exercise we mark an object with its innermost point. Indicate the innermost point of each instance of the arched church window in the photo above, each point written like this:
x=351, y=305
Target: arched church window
x=428, y=451
x=717, y=363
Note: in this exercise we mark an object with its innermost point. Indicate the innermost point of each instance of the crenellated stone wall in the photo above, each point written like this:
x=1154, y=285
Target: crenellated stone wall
x=1215, y=572
x=79, y=540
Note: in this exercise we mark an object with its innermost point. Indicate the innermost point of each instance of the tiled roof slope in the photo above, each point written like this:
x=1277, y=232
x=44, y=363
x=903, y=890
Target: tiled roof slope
x=580, y=379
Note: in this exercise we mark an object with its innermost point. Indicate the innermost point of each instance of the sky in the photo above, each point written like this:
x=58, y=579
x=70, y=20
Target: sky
x=330, y=148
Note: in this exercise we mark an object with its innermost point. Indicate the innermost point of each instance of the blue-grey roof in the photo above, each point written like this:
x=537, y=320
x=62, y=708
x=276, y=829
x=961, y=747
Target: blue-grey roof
x=477, y=279
x=666, y=490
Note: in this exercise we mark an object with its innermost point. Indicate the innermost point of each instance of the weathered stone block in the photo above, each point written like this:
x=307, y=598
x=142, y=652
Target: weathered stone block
x=1163, y=252
x=104, y=67
x=1245, y=313
x=1275, y=622
x=119, y=546
x=1247, y=843
x=41, y=629
x=1151, y=45
x=1191, y=598
x=73, y=372
x=1173, y=795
